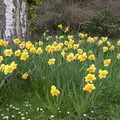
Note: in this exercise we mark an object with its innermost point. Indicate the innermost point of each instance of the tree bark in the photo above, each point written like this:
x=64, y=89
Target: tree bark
x=15, y=19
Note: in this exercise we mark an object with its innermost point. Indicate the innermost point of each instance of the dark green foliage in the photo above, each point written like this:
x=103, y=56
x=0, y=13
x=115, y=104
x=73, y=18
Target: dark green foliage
x=96, y=17
x=105, y=23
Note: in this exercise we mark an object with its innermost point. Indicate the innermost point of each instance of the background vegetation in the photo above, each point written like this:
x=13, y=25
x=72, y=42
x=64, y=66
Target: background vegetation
x=96, y=17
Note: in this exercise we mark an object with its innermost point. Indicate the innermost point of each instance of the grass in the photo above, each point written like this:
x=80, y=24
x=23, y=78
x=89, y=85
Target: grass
x=30, y=99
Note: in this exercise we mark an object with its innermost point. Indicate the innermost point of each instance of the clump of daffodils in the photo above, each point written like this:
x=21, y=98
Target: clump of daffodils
x=67, y=48
x=24, y=55
x=9, y=68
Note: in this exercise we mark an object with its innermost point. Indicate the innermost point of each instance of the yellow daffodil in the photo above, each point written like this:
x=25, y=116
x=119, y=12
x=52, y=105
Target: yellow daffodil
x=82, y=57
x=89, y=87
x=90, y=78
x=100, y=42
x=17, y=53
x=90, y=40
x=118, y=43
x=22, y=45
x=25, y=76
x=105, y=49
x=54, y=91
x=24, y=55
x=103, y=73
x=1, y=59
x=92, y=68
x=108, y=43
x=70, y=57
x=66, y=29
x=32, y=50
x=118, y=56
x=107, y=62
x=16, y=41
x=75, y=46
x=51, y=61
x=112, y=48
x=10, y=68
x=80, y=51
x=39, y=51
x=91, y=57
x=8, y=52
x=60, y=26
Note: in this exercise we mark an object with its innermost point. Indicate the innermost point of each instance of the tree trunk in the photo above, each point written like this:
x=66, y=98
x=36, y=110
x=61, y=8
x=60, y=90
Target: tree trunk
x=14, y=19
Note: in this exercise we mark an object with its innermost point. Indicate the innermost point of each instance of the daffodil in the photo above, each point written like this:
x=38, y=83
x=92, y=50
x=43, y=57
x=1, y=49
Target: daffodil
x=9, y=68
x=92, y=68
x=16, y=41
x=25, y=76
x=91, y=57
x=8, y=52
x=60, y=26
x=17, y=53
x=118, y=56
x=90, y=78
x=54, y=91
x=105, y=49
x=1, y=59
x=107, y=62
x=90, y=40
x=39, y=51
x=82, y=57
x=118, y=43
x=51, y=61
x=70, y=57
x=24, y=55
x=89, y=87
x=102, y=73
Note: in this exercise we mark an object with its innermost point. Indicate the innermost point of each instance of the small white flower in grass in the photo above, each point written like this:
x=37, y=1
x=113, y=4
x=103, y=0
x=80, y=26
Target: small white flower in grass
x=68, y=113
x=19, y=112
x=13, y=116
x=26, y=113
x=38, y=108
x=84, y=115
x=10, y=105
x=7, y=109
x=22, y=114
x=5, y=117
x=92, y=111
x=17, y=109
x=41, y=109
x=52, y=116
x=27, y=105
x=23, y=118
x=2, y=114
x=13, y=107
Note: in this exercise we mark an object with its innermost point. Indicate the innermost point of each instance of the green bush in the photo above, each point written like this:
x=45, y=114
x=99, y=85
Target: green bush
x=103, y=24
